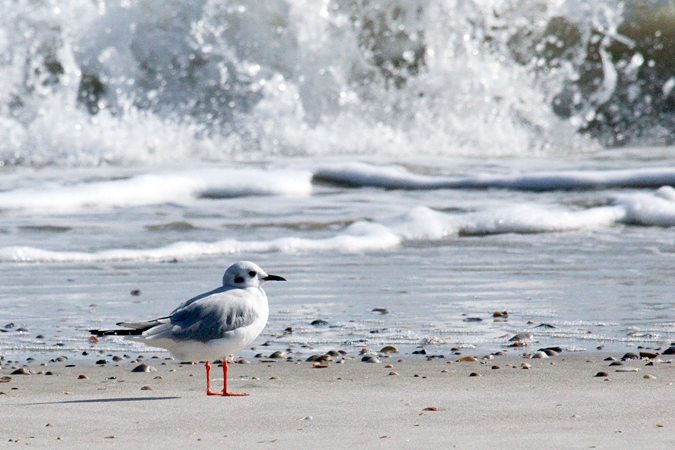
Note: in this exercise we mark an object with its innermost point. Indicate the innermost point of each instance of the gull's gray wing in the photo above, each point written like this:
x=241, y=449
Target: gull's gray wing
x=207, y=317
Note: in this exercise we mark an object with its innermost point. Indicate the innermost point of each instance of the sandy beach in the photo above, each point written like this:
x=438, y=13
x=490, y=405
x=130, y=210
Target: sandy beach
x=558, y=402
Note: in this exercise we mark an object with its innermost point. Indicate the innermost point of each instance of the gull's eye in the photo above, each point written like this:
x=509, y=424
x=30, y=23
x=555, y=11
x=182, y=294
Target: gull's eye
x=252, y=273
x=239, y=280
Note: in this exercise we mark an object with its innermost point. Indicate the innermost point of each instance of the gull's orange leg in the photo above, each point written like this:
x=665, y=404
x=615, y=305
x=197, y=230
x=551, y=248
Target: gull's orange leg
x=225, y=393
x=208, y=382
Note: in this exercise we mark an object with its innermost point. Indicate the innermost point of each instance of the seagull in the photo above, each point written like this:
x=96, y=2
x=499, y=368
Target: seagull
x=212, y=325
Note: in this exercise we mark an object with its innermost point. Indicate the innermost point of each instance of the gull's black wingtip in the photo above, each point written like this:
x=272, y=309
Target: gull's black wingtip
x=116, y=332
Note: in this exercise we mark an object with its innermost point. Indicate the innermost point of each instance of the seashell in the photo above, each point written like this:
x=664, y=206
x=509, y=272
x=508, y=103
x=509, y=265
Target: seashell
x=523, y=336
x=474, y=374
x=393, y=373
x=388, y=366
x=159, y=377
x=82, y=377
x=629, y=356
x=430, y=408
x=467, y=358
x=147, y=388
x=389, y=349
x=495, y=367
x=93, y=339
x=500, y=314
x=525, y=366
x=320, y=366
x=602, y=374
x=21, y=371
x=5, y=379
x=539, y=355
x=278, y=354
x=380, y=311
x=628, y=369
x=649, y=377
x=370, y=359
x=649, y=355
x=117, y=358
x=143, y=368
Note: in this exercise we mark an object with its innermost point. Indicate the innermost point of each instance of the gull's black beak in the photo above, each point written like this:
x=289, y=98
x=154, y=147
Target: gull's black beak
x=274, y=278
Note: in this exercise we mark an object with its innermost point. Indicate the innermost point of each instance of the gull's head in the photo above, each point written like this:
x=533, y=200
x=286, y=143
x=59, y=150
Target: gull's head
x=246, y=274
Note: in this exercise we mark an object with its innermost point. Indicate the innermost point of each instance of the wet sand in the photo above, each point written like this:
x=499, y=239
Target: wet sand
x=557, y=403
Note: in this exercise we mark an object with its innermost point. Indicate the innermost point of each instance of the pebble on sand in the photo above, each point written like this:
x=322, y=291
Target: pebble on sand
x=539, y=355
x=147, y=388
x=430, y=408
x=278, y=354
x=21, y=371
x=5, y=379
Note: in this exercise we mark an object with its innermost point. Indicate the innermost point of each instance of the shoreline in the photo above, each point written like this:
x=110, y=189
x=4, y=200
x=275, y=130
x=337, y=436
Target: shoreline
x=557, y=402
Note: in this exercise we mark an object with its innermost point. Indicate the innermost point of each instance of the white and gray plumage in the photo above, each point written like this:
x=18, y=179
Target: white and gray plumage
x=212, y=325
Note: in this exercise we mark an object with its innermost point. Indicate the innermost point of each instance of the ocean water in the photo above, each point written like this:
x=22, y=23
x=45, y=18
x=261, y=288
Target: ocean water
x=410, y=167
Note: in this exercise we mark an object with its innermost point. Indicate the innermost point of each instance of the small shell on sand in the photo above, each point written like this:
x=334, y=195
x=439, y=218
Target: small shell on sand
x=320, y=366
x=93, y=339
x=467, y=358
x=143, y=368
x=649, y=377
x=430, y=408
x=82, y=377
x=278, y=354
x=523, y=336
x=539, y=355
x=370, y=359
x=389, y=349
x=474, y=374
x=525, y=366
x=393, y=373
x=602, y=374
x=147, y=388
x=388, y=366
x=21, y=371
x=5, y=379
x=628, y=369
x=159, y=377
